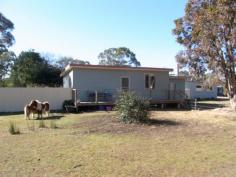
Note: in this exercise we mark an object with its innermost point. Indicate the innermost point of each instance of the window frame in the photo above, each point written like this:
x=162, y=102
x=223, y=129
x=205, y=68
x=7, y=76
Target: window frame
x=150, y=75
x=125, y=77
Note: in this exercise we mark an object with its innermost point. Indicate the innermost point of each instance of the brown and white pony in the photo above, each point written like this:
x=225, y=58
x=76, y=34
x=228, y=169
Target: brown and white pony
x=36, y=107
x=45, y=108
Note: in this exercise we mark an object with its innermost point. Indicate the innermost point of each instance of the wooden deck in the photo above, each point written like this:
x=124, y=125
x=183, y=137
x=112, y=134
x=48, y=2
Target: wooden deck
x=80, y=104
x=167, y=101
x=153, y=102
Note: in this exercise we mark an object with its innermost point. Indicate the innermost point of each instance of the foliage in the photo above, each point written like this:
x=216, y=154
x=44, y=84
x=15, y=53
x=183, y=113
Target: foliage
x=67, y=103
x=6, y=38
x=30, y=69
x=121, y=56
x=213, y=80
x=13, y=129
x=49, y=76
x=7, y=60
x=208, y=33
x=132, y=108
x=27, y=68
x=42, y=124
x=64, y=61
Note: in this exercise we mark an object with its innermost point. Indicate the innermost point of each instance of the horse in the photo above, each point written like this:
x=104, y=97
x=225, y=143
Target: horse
x=30, y=109
x=45, y=108
x=36, y=107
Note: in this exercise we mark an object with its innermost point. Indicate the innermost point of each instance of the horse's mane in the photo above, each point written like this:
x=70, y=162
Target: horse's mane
x=38, y=101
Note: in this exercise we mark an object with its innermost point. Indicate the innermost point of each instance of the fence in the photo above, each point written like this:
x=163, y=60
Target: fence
x=14, y=99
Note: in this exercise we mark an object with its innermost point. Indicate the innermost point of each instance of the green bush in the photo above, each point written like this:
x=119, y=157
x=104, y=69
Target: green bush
x=13, y=129
x=42, y=124
x=67, y=103
x=132, y=108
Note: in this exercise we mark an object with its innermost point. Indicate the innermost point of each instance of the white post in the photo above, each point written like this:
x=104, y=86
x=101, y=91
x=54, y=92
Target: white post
x=96, y=96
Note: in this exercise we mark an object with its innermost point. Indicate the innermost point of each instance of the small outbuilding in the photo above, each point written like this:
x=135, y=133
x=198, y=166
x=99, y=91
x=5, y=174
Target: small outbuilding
x=195, y=90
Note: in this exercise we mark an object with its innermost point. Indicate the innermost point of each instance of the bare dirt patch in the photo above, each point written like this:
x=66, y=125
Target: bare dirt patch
x=114, y=126
x=156, y=126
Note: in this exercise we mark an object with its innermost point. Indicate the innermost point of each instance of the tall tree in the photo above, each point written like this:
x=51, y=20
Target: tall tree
x=30, y=69
x=49, y=76
x=64, y=61
x=26, y=68
x=6, y=38
x=6, y=62
x=121, y=56
x=208, y=33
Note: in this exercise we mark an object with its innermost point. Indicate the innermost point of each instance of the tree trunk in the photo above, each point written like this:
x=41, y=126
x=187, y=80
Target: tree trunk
x=232, y=92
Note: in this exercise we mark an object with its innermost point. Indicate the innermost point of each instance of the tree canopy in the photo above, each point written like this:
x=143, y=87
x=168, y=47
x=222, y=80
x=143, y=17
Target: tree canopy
x=6, y=38
x=121, y=56
x=7, y=60
x=64, y=61
x=208, y=33
x=30, y=69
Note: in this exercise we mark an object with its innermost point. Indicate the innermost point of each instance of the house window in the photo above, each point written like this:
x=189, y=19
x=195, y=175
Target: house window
x=125, y=83
x=150, y=81
x=209, y=88
x=146, y=81
x=198, y=88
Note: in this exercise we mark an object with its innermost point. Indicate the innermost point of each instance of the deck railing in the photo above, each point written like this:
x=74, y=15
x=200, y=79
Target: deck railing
x=95, y=96
x=110, y=95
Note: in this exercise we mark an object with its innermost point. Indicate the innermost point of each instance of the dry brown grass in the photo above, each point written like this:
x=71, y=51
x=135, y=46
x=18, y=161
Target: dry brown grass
x=173, y=143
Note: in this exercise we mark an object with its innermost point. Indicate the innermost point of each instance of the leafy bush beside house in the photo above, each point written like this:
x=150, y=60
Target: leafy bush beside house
x=132, y=108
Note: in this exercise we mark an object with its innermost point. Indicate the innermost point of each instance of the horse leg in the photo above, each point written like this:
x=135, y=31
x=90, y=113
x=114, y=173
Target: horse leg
x=41, y=114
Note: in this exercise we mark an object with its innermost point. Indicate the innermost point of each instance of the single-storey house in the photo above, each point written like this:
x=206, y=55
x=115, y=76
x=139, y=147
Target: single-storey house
x=98, y=83
x=195, y=90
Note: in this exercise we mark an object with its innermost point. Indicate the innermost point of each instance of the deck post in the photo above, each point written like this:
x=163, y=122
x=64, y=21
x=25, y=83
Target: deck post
x=179, y=106
x=96, y=96
x=195, y=104
x=162, y=106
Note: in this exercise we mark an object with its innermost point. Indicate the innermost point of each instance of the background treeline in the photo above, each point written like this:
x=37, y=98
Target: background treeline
x=31, y=69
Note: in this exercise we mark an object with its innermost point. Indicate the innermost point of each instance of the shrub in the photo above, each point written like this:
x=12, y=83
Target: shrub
x=67, y=103
x=132, y=108
x=42, y=124
x=13, y=129
x=53, y=125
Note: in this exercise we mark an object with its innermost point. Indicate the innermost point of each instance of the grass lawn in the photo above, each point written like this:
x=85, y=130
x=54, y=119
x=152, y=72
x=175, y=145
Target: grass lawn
x=174, y=143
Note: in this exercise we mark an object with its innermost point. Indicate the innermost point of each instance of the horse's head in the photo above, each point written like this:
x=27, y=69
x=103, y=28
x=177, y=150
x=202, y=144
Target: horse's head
x=33, y=104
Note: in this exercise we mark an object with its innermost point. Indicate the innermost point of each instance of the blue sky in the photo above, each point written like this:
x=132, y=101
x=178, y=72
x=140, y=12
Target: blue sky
x=84, y=28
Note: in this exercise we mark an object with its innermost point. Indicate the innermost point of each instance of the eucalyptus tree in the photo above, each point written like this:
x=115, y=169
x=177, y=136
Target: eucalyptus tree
x=120, y=56
x=6, y=37
x=208, y=33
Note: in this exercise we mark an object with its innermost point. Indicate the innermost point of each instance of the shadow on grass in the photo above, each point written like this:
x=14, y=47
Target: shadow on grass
x=161, y=122
x=51, y=117
x=209, y=106
x=11, y=113
x=169, y=109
